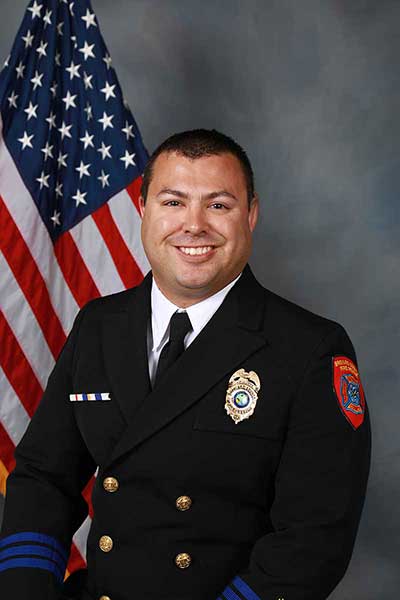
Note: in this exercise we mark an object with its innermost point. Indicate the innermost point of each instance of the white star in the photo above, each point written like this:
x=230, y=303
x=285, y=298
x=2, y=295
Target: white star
x=88, y=110
x=79, y=197
x=104, y=179
x=87, y=80
x=31, y=111
x=106, y=121
x=89, y=19
x=61, y=160
x=104, y=151
x=107, y=60
x=53, y=89
x=51, y=119
x=37, y=80
x=58, y=59
x=6, y=61
x=47, y=151
x=26, y=140
x=73, y=38
x=43, y=180
x=20, y=70
x=73, y=70
x=87, y=50
x=87, y=140
x=59, y=190
x=56, y=218
x=128, y=130
x=59, y=27
x=46, y=17
x=64, y=130
x=128, y=159
x=35, y=9
x=83, y=170
x=42, y=48
x=108, y=91
x=71, y=6
x=28, y=39
x=13, y=100
x=69, y=100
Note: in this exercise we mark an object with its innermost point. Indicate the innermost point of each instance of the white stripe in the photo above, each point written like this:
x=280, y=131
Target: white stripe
x=128, y=221
x=29, y=222
x=13, y=415
x=80, y=537
x=97, y=257
x=24, y=325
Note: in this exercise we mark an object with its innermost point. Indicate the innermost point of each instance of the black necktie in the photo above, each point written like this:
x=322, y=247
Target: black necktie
x=179, y=326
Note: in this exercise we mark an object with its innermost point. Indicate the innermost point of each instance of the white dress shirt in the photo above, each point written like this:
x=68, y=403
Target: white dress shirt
x=162, y=310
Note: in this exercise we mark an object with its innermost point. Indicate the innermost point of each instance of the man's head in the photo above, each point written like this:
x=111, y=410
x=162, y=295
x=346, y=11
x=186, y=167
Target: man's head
x=197, y=192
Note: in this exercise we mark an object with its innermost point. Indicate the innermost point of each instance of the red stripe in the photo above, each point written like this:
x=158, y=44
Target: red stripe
x=7, y=449
x=18, y=370
x=123, y=259
x=76, y=561
x=133, y=190
x=87, y=494
x=30, y=280
x=74, y=269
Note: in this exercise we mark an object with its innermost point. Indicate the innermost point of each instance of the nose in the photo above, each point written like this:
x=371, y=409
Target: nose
x=195, y=220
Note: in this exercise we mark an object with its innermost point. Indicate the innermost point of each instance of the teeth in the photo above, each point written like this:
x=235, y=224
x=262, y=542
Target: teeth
x=193, y=251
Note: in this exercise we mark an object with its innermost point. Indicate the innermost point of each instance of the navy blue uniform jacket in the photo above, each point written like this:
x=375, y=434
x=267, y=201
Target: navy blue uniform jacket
x=276, y=498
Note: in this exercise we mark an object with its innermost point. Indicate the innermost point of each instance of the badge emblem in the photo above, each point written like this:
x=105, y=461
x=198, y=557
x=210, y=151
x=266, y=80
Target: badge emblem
x=348, y=389
x=241, y=395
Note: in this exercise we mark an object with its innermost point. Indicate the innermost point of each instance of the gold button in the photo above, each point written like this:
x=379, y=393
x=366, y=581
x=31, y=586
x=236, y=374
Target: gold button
x=183, y=560
x=110, y=484
x=105, y=543
x=104, y=598
x=183, y=502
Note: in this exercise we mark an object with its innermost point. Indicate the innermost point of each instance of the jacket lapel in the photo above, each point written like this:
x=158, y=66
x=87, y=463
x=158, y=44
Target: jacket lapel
x=232, y=334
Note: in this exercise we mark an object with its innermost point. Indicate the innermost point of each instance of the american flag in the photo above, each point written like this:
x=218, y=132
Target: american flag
x=71, y=159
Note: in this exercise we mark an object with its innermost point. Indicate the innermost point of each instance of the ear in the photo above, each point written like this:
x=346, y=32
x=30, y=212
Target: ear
x=253, y=211
x=141, y=206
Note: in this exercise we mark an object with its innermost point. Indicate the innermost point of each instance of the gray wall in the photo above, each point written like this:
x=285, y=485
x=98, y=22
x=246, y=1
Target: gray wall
x=312, y=90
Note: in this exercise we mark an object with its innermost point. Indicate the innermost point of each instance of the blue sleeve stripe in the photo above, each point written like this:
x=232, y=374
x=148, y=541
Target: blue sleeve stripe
x=245, y=589
x=36, y=550
x=30, y=536
x=35, y=563
x=229, y=594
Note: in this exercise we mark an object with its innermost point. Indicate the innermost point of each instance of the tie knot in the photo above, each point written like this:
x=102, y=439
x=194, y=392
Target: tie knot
x=179, y=326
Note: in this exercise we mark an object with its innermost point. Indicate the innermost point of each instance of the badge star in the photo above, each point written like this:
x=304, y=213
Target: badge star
x=104, y=179
x=80, y=197
x=42, y=48
x=35, y=9
x=59, y=192
x=104, y=151
x=26, y=140
x=46, y=17
x=88, y=111
x=73, y=70
x=87, y=80
x=51, y=119
x=53, y=89
x=69, y=100
x=83, y=170
x=64, y=130
x=20, y=70
x=87, y=140
x=56, y=218
x=31, y=110
x=108, y=91
x=13, y=100
x=106, y=121
x=128, y=130
x=37, y=80
x=127, y=159
x=43, y=180
x=87, y=50
x=60, y=25
x=89, y=19
x=28, y=39
x=107, y=60
x=47, y=151
x=62, y=160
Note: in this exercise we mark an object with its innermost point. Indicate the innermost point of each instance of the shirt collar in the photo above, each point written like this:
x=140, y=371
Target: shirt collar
x=199, y=314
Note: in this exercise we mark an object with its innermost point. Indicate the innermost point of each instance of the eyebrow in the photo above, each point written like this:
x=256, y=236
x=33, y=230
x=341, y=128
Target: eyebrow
x=209, y=196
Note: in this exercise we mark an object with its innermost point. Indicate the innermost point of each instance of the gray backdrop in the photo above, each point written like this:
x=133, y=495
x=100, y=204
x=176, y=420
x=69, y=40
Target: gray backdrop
x=312, y=90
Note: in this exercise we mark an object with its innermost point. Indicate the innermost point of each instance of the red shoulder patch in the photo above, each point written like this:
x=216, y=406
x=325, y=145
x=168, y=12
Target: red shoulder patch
x=348, y=389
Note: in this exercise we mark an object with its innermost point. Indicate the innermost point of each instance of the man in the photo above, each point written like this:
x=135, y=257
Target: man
x=230, y=429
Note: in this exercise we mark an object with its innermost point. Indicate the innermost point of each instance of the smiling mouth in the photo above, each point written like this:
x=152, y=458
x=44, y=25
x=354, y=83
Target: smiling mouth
x=195, y=252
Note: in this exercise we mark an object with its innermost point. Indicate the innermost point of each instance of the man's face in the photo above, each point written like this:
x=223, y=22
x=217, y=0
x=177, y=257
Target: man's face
x=198, y=203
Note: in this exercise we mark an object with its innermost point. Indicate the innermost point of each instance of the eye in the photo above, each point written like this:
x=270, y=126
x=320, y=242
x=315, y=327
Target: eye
x=219, y=204
x=169, y=201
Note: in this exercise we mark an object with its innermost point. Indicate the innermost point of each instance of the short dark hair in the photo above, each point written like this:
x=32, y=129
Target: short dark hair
x=197, y=143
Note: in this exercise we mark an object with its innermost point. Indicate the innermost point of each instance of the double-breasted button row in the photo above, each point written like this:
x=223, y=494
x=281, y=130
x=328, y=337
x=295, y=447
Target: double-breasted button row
x=183, y=503
x=105, y=543
x=110, y=484
x=183, y=560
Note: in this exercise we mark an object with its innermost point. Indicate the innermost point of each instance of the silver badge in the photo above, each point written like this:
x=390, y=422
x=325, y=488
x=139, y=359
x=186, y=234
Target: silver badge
x=241, y=395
